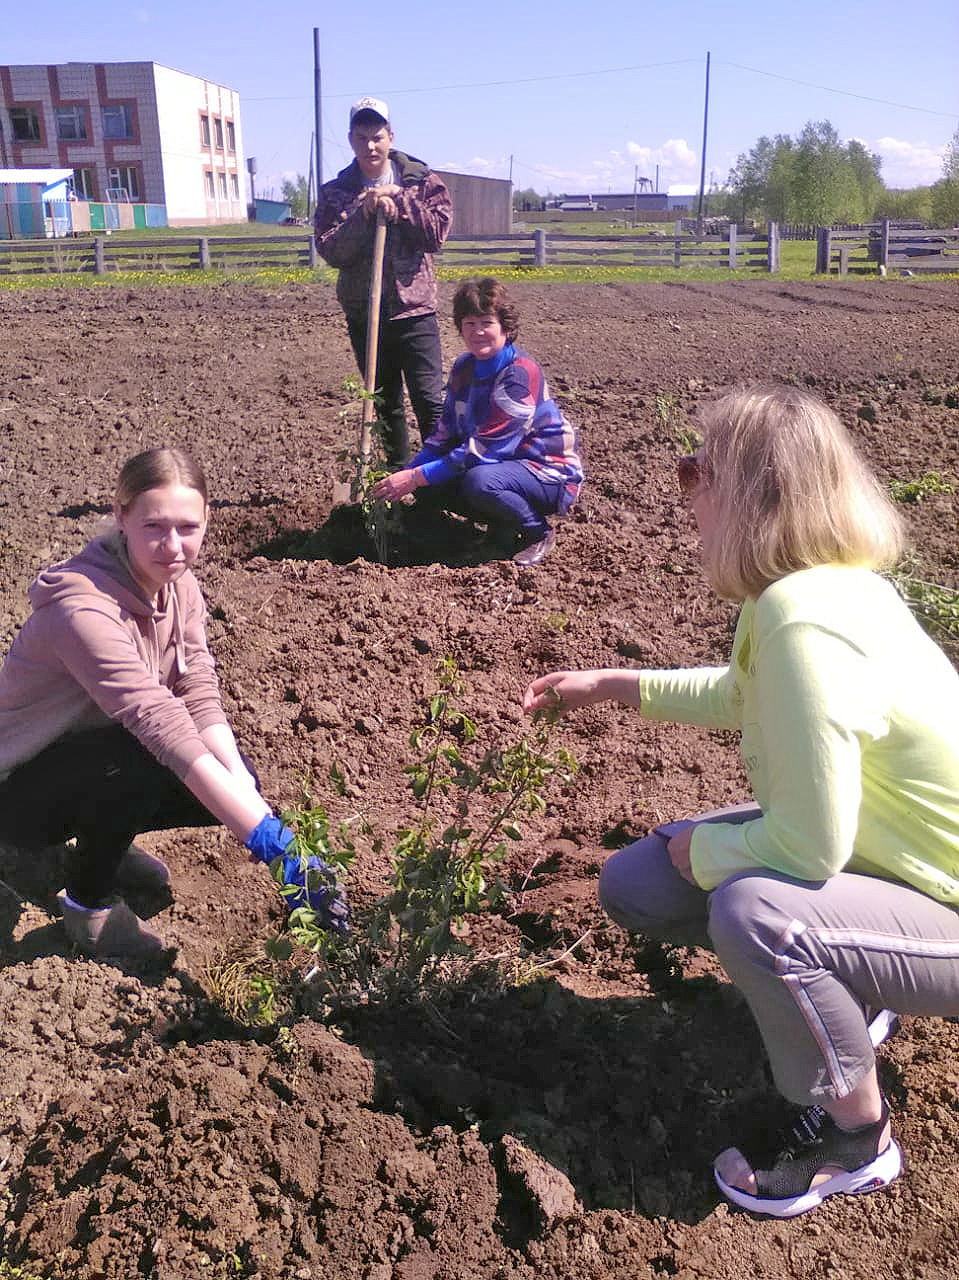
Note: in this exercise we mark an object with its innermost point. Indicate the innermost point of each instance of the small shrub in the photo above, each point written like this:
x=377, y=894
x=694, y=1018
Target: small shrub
x=381, y=518
x=915, y=490
x=671, y=415
x=251, y=988
x=444, y=865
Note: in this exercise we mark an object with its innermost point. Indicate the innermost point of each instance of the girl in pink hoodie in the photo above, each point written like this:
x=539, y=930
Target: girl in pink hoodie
x=111, y=721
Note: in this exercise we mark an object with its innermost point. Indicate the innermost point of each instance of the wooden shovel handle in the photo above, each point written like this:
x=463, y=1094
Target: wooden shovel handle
x=372, y=336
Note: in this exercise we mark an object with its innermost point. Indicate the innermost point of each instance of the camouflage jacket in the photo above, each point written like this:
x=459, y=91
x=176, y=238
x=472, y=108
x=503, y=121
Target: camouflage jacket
x=344, y=238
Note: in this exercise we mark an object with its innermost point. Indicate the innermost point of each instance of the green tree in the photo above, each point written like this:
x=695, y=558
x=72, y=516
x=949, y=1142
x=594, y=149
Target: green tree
x=914, y=205
x=824, y=189
x=526, y=198
x=294, y=192
x=814, y=178
x=762, y=180
x=944, y=194
x=866, y=166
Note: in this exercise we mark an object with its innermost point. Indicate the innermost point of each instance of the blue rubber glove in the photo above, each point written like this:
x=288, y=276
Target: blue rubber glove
x=317, y=885
x=268, y=839
x=317, y=888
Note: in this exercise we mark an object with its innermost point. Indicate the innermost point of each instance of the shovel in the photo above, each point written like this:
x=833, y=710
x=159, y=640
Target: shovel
x=343, y=492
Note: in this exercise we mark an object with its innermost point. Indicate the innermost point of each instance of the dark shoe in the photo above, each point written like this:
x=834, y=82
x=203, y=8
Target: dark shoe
x=113, y=930
x=785, y=1189
x=536, y=551
x=139, y=870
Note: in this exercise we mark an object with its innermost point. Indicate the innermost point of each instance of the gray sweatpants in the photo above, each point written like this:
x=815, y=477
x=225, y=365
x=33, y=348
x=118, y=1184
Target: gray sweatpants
x=809, y=957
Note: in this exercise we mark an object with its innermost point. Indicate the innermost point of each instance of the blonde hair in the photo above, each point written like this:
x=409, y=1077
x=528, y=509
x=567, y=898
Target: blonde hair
x=155, y=468
x=790, y=492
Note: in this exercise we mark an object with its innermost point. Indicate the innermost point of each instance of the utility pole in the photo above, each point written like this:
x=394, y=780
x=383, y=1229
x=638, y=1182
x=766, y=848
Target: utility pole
x=317, y=112
x=702, y=170
x=635, y=187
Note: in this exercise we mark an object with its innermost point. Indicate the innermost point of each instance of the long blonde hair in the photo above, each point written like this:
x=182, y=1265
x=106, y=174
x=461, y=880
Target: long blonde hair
x=790, y=492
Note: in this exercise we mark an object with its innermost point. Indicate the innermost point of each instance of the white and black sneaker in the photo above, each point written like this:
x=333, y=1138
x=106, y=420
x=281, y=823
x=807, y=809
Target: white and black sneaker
x=883, y=1023
x=793, y=1183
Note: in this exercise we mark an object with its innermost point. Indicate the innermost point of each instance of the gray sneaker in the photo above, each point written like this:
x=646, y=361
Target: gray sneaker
x=113, y=930
x=534, y=552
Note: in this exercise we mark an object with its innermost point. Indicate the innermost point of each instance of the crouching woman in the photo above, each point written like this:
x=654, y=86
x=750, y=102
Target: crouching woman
x=831, y=901
x=111, y=721
x=502, y=451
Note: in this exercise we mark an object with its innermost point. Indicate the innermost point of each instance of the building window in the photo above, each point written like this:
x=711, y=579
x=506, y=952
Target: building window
x=218, y=133
x=223, y=195
x=124, y=183
x=25, y=124
x=84, y=184
x=231, y=137
x=117, y=121
x=235, y=184
x=71, y=123
x=210, y=189
x=204, y=131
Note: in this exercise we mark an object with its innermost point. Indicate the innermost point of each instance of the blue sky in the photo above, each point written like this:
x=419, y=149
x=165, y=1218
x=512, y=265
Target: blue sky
x=574, y=96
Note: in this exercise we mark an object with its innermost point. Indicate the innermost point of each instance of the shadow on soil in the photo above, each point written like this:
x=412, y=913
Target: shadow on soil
x=411, y=538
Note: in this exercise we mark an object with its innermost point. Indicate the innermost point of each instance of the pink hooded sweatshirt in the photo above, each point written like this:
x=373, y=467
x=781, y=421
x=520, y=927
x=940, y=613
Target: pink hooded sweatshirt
x=95, y=650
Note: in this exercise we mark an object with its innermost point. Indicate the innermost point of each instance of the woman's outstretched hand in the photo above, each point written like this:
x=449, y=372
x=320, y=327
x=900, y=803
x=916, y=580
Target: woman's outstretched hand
x=564, y=691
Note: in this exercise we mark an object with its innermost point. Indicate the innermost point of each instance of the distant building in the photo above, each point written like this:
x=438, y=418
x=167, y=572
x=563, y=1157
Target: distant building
x=640, y=200
x=34, y=202
x=131, y=132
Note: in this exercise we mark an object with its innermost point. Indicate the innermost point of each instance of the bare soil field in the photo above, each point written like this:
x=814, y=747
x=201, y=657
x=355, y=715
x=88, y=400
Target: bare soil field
x=560, y=1128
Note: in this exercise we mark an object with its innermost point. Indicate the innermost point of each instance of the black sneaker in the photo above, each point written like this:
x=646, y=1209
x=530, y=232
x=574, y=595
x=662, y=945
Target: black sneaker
x=536, y=549
x=815, y=1142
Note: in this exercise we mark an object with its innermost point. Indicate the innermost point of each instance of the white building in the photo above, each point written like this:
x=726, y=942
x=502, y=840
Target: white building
x=130, y=131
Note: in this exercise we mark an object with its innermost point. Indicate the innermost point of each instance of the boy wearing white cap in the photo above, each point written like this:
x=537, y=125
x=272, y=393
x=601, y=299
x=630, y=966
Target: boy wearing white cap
x=419, y=212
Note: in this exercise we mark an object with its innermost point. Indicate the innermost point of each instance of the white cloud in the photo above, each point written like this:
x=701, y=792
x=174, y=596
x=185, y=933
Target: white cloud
x=908, y=164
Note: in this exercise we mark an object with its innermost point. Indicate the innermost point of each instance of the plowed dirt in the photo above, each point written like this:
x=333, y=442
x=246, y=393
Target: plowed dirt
x=556, y=1129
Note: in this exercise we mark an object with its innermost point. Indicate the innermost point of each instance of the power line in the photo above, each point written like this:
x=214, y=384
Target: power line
x=494, y=84
x=610, y=71
x=846, y=93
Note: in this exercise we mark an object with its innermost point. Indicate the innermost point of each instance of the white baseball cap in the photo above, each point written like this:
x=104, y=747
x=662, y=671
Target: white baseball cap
x=374, y=105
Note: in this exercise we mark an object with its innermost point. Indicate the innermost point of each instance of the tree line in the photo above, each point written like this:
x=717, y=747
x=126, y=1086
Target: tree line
x=818, y=178
x=815, y=178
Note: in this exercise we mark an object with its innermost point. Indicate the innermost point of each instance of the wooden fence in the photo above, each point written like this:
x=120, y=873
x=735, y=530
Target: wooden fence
x=103, y=254
x=884, y=247
x=657, y=249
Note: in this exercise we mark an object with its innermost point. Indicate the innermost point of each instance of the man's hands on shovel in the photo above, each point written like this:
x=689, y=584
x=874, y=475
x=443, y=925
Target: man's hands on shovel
x=381, y=200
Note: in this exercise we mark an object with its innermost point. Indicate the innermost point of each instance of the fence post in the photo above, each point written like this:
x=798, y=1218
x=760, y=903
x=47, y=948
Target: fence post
x=732, y=246
x=843, y=259
x=539, y=247
x=823, y=250
x=99, y=265
x=677, y=259
x=204, y=254
x=772, y=233
x=884, y=244
x=311, y=243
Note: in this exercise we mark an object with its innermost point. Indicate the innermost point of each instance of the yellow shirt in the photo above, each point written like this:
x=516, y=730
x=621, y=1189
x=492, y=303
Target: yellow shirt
x=849, y=715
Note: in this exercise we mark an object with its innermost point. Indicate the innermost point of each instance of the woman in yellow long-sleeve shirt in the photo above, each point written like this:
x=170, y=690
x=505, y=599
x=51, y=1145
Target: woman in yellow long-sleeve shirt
x=832, y=900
